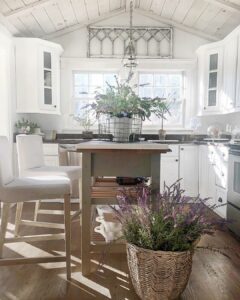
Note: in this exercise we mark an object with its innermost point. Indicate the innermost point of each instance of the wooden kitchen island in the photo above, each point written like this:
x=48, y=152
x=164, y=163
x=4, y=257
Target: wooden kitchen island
x=107, y=159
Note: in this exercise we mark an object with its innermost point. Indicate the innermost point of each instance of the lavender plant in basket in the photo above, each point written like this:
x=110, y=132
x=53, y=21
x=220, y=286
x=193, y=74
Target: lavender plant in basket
x=161, y=231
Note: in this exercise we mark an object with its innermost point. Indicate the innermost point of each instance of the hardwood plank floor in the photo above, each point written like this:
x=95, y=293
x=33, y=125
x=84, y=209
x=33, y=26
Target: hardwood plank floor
x=214, y=276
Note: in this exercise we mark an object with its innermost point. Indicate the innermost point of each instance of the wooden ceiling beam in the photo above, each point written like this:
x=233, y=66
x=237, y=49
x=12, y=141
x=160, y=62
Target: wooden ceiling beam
x=229, y=6
x=178, y=25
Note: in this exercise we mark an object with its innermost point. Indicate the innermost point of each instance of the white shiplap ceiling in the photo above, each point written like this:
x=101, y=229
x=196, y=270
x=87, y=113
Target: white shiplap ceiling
x=212, y=19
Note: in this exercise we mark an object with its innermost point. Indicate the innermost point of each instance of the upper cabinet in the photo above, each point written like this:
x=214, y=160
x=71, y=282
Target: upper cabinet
x=38, y=76
x=218, y=87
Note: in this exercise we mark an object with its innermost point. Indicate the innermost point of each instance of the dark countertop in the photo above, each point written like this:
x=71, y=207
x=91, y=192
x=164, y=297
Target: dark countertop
x=67, y=138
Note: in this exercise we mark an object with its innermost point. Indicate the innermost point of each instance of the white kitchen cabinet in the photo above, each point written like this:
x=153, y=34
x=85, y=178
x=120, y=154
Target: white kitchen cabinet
x=228, y=92
x=51, y=156
x=189, y=171
x=203, y=171
x=221, y=202
x=38, y=76
x=170, y=166
x=213, y=77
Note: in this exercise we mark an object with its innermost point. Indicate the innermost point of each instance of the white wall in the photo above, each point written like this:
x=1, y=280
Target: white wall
x=7, y=83
x=75, y=57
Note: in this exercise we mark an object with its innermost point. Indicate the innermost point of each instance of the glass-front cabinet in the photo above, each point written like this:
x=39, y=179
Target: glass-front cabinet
x=38, y=76
x=49, y=79
x=213, y=77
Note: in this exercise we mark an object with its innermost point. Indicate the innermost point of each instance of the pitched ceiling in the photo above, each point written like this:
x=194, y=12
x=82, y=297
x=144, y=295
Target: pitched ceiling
x=212, y=19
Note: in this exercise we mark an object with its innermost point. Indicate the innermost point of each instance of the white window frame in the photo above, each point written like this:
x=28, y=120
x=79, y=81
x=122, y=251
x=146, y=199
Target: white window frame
x=180, y=125
x=86, y=72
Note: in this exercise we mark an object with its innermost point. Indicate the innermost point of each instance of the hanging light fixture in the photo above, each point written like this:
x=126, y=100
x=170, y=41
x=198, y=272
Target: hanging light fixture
x=129, y=60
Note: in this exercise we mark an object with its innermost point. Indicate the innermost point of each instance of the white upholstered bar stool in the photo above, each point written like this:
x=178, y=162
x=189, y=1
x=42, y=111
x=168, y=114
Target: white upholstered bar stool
x=16, y=190
x=31, y=164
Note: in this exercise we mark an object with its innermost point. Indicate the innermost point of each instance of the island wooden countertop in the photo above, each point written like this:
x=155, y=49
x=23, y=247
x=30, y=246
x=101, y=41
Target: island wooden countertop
x=103, y=146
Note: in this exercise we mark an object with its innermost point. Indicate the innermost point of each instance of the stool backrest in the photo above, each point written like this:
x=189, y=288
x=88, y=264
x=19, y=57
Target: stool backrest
x=6, y=170
x=29, y=152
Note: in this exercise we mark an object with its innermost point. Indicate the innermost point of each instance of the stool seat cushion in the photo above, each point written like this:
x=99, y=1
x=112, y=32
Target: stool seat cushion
x=27, y=189
x=71, y=172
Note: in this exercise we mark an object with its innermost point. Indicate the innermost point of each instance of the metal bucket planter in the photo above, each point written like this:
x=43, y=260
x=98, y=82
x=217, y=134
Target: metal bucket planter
x=122, y=130
x=158, y=274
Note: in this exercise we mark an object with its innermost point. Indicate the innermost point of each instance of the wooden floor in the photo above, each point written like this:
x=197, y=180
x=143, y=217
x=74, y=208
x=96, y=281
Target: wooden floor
x=214, y=276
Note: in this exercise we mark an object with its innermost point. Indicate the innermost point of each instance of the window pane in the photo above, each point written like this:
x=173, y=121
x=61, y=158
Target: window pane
x=96, y=80
x=212, y=98
x=146, y=92
x=213, y=80
x=175, y=116
x=161, y=80
x=47, y=78
x=146, y=79
x=174, y=93
x=175, y=80
x=110, y=79
x=81, y=79
x=47, y=60
x=160, y=92
x=47, y=96
x=213, y=64
x=81, y=91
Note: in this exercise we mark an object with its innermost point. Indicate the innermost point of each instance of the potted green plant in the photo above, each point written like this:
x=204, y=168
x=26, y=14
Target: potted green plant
x=25, y=126
x=86, y=122
x=163, y=113
x=162, y=231
x=122, y=105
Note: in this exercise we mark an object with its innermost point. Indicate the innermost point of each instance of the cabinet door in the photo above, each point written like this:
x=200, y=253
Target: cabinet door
x=189, y=169
x=48, y=79
x=203, y=171
x=228, y=94
x=213, y=79
x=169, y=170
x=221, y=202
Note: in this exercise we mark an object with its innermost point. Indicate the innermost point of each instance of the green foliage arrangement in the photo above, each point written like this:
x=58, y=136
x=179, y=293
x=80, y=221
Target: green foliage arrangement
x=120, y=100
x=25, y=126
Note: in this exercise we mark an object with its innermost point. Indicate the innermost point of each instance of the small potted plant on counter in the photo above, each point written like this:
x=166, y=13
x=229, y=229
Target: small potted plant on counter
x=124, y=110
x=161, y=233
x=85, y=121
x=26, y=126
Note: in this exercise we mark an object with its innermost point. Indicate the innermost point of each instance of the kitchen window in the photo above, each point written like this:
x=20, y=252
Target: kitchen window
x=85, y=84
x=164, y=85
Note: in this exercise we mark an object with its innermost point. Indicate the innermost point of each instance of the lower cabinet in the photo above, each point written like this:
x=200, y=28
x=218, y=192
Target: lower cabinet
x=169, y=170
x=51, y=157
x=213, y=165
x=188, y=170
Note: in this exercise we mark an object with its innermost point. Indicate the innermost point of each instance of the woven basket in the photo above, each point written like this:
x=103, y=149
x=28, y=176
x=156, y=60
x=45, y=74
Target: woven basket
x=158, y=274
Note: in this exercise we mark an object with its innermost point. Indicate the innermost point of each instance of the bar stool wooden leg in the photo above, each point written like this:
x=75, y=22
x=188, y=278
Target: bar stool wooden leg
x=67, y=221
x=37, y=207
x=4, y=222
x=18, y=217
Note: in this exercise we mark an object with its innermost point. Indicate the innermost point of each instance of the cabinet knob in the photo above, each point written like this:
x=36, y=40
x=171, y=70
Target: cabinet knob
x=55, y=106
x=204, y=108
x=182, y=149
x=220, y=199
x=176, y=159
